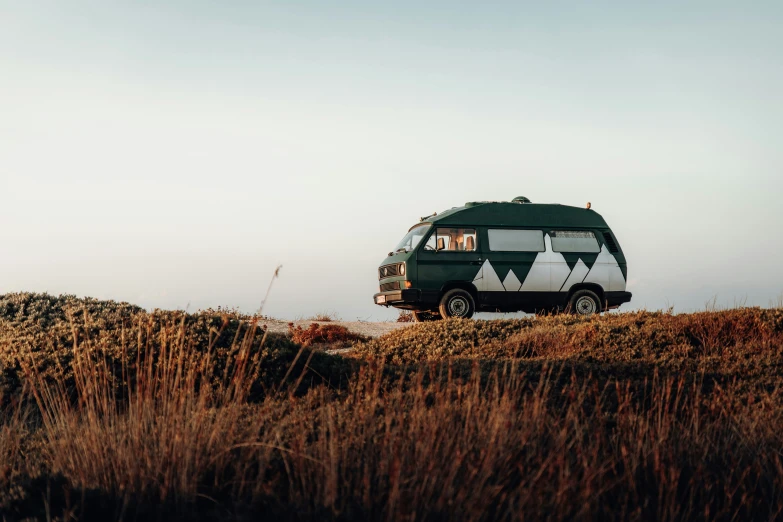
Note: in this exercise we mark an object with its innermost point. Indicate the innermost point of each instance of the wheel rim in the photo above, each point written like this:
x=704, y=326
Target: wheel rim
x=458, y=306
x=585, y=306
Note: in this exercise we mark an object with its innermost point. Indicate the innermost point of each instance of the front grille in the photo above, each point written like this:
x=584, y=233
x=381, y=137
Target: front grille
x=388, y=287
x=389, y=271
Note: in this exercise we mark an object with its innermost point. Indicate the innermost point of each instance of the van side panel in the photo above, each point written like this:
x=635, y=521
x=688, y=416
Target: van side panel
x=606, y=272
x=511, y=268
x=501, y=276
x=578, y=265
x=522, y=279
x=530, y=281
x=578, y=270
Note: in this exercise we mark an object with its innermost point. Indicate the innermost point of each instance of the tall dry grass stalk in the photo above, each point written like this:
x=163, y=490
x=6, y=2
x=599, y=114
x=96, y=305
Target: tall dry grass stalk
x=432, y=445
x=499, y=449
x=14, y=431
x=166, y=428
x=166, y=423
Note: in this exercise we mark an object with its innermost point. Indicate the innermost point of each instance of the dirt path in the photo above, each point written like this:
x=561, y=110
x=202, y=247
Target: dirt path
x=370, y=329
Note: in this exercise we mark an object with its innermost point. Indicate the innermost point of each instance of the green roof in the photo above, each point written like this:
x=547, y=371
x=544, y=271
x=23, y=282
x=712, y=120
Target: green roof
x=519, y=215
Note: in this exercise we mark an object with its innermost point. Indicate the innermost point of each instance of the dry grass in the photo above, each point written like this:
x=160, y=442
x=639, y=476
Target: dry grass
x=746, y=343
x=330, y=336
x=325, y=317
x=626, y=417
x=163, y=434
x=406, y=316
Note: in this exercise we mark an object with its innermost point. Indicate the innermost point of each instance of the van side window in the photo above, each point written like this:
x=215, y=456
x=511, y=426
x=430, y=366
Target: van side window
x=505, y=240
x=574, y=241
x=452, y=240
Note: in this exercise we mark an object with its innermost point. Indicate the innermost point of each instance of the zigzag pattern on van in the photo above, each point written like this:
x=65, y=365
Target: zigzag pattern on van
x=550, y=273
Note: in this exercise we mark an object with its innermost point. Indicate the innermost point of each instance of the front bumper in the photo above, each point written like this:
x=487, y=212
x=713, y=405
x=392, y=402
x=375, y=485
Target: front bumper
x=409, y=299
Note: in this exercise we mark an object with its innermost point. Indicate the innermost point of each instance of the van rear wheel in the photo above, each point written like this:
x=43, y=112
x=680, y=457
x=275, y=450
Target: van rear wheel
x=584, y=303
x=457, y=303
x=425, y=316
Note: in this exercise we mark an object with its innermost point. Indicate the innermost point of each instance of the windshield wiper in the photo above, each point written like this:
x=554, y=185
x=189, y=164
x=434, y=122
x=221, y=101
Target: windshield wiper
x=403, y=249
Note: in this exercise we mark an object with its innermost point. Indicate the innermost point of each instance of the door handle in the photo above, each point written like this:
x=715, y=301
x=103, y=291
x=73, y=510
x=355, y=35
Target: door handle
x=476, y=262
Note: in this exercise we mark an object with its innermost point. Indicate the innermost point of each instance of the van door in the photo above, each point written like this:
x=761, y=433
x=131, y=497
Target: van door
x=508, y=274
x=450, y=254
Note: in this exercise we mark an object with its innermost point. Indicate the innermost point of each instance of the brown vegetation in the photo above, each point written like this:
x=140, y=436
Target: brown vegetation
x=406, y=316
x=113, y=413
x=332, y=335
x=744, y=344
x=325, y=317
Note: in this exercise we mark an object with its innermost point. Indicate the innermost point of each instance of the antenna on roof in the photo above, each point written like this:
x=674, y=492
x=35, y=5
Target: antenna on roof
x=520, y=199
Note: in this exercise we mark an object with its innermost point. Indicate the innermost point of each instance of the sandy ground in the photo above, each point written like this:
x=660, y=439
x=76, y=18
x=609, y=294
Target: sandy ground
x=370, y=329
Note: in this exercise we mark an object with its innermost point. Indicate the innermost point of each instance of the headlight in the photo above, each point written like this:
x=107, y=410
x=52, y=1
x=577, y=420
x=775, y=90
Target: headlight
x=402, y=269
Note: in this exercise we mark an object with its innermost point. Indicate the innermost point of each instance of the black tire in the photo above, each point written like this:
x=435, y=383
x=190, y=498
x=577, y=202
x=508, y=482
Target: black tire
x=584, y=303
x=425, y=316
x=457, y=303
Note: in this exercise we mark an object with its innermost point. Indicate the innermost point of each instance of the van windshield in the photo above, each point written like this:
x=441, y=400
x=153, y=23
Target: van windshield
x=412, y=239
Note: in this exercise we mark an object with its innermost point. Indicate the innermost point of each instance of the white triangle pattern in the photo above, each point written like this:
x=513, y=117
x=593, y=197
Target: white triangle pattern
x=550, y=272
x=511, y=282
x=576, y=276
x=539, y=277
x=487, y=279
x=559, y=273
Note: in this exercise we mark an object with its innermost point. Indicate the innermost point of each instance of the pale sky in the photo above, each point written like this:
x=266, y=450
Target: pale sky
x=174, y=156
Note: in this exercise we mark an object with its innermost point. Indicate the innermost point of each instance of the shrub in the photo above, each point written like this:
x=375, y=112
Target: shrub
x=329, y=334
x=45, y=332
x=744, y=342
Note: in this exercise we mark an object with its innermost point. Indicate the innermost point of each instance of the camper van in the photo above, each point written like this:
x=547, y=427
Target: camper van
x=505, y=257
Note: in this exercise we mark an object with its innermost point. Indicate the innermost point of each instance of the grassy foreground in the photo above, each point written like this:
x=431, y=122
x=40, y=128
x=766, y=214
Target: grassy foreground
x=112, y=413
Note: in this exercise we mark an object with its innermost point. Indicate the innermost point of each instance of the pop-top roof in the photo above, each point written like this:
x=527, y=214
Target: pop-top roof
x=519, y=214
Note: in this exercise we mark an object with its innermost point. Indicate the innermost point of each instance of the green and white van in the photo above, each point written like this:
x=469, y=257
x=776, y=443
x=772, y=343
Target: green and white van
x=505, y=257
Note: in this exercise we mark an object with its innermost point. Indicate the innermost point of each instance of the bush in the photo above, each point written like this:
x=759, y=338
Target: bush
x=330, y=334
x=745, y=343
x=47, y=333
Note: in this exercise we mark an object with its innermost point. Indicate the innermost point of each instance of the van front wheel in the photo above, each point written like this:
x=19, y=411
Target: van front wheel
x=457, y=303
x=585, y=303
